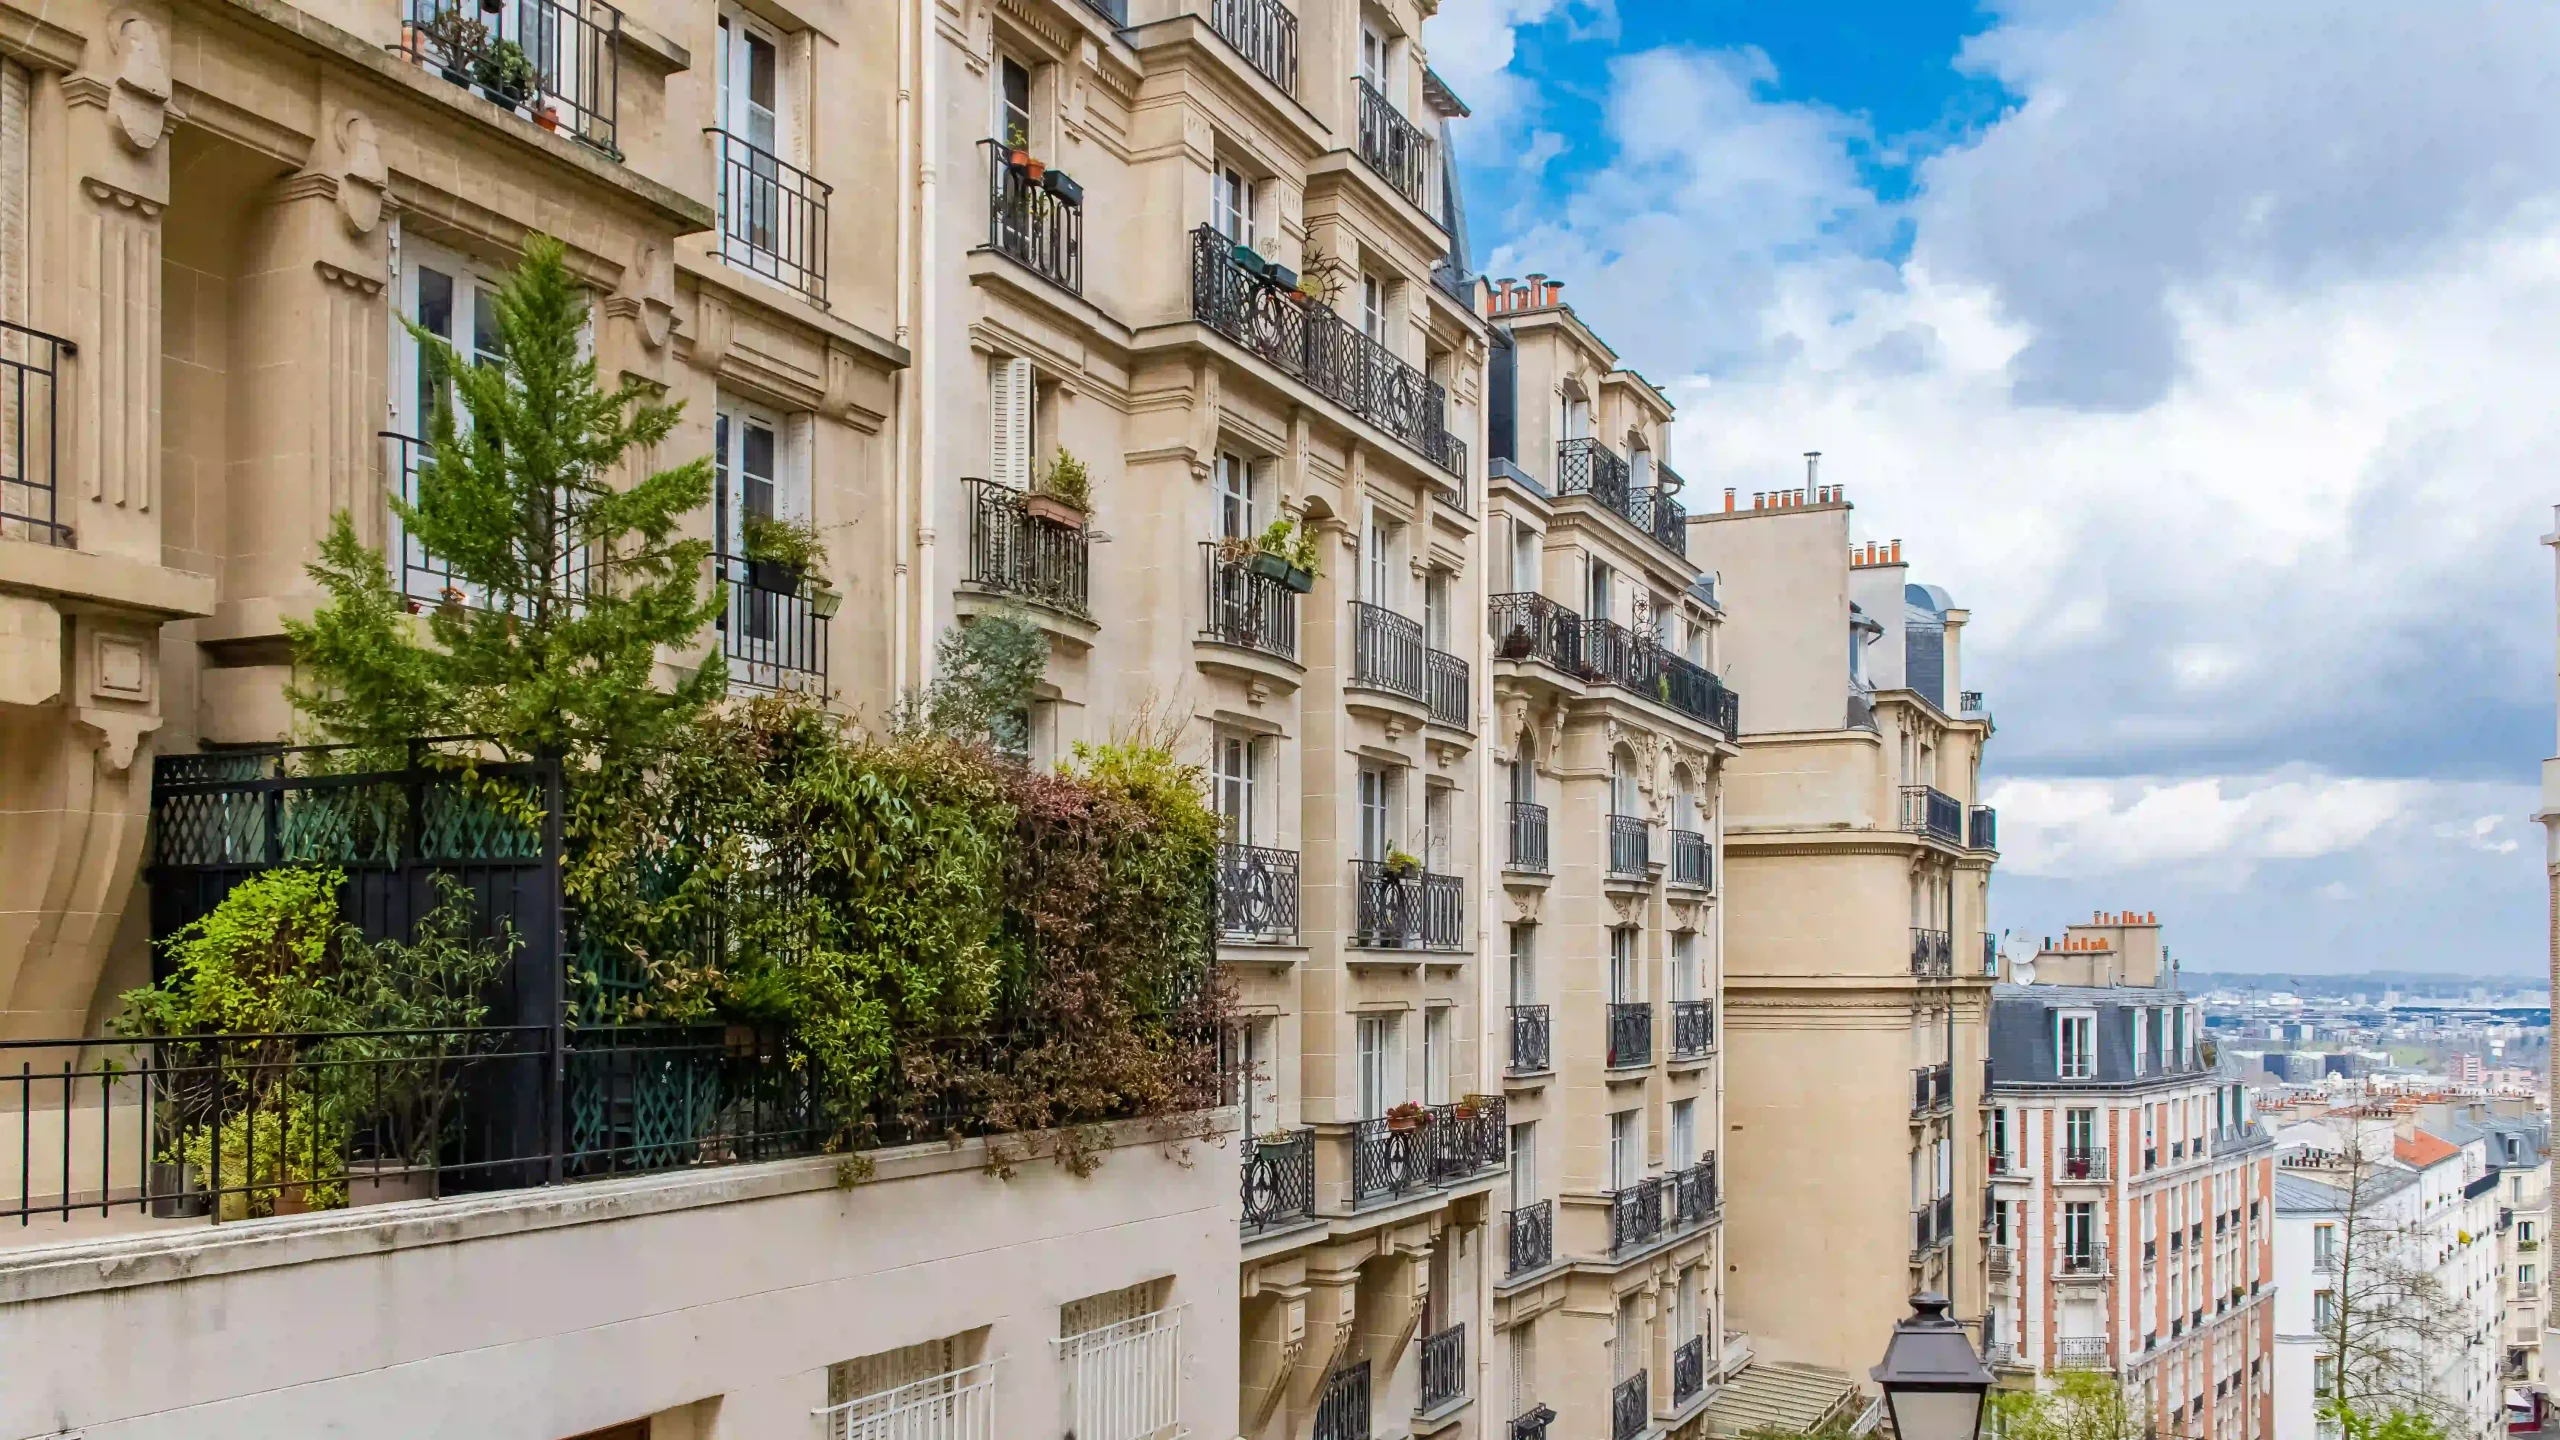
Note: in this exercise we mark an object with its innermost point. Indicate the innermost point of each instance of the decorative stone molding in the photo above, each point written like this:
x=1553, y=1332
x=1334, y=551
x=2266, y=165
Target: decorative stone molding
x=116, y=734
x=117, y=197
x=138, y=107
x=363, y=180
x=1526, y=903
x=365, y=285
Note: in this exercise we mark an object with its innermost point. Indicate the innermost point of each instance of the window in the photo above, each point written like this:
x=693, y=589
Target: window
x=1373, y=57
x=1238, y=774
x=2079, y=1132
x=1377, y=546
x=772, y=220
x=1623, y=980
x=1524, y=1366
x=1013, y=395
x=1435, y=1055
x=1013, y=104
x=1524, y=1164
x=453, y=300
x=1524, y=557
x=1626, y=1347
x=1684, y=1134
x=1381, y=1065
x=2324, y=1309
x=1122, y=1357
x=1439, y=828
x=2524, y=1274
x=1377, y=811
x=1373, y=308
x=1238, y=515
x=2080, y=1231
x=2076, y=1045
x=1684, y=1307
x=1435, y=610
x=2000, y=1222
x=1524, y=964
x=1684, y=966
x=1626, y=1148
x=1233, y=205
x=1524, y=779
x=2000, y=1139
x=1256, y=1085
x=2141, y=1041
x=1596, y=588
x=750, y=63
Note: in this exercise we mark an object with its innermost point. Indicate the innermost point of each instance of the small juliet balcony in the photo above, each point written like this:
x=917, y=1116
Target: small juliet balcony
x=1636, y=1215
x=1630, y=1034
x=1532, y=1039
x=1407, y=910
x=1528, y=852
x=1257, y=894
x=1398, y=150
x=1933, y=1089
x=1691, y=866
x=1016, y=551
x=558, y=65
x=773, y=215
x=31, y=426
x=1585, y=466
x=1038, y=222
x=1279, y=1179
x=771, y=634
x=1630, y=847
x=1693, y=1029
x=1688, y=1371
x=1630, y=1406
x=2082, y=1163
x=1450, y=698
x=1387, y=652
x=1245, y=607
x=1933, y=954
x=1982, y=828
x=1530, y=1237
x=1444, y=1369
x=1529, y=626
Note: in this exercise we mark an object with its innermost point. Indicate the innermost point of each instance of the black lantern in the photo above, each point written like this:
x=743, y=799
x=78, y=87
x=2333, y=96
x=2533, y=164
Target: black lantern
x=1931, y=1376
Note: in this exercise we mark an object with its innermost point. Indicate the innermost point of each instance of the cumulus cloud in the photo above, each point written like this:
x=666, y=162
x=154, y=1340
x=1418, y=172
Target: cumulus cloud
x=2081, y=828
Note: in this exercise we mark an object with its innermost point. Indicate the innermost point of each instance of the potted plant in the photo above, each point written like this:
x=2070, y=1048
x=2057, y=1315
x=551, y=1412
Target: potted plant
x=547, y=115
x=1066, y=189
x=1516, y=643
x=1236, y=550
x=1287, y=553
x=1250, y=261
x=824, y=599
x=1400, y=866
x=1407, y=1116
x=1017, y=144
x=459, y=42
x=1284, y=278
x=781, y=553
x=1064, y=494
x=505, y=74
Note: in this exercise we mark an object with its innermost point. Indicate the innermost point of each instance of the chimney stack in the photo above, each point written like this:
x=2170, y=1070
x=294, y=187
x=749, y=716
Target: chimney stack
x=1728, y=499
x=1812, y=466
x=1897, y=552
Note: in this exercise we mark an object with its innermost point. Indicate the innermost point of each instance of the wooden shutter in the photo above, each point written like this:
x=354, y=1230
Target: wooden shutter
x=1009, y=395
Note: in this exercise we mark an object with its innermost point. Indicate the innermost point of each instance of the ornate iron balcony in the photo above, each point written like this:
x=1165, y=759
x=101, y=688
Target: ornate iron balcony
x=1387, y=651
x=1444, y=913
x=1310, y=343
x=2083, y=1162
x=1264, y=32
x=1528, y=837
x=1933, y=1087
x=1279, y=1179
x=1587, y=467
x=1635, y=1215
x=1695, y=1194
x=1444, y=1367
x=773, y=216
x=30, y=429
x=771, y=634
x=1630, y=1035
x=1932, y=954
x=1388, y=1161
x=1929, y=811
x=1247, y=609
x=1693, y=1028
x=1531, y=1039
x=1531, y=1237
x=1630, y=846
x=1528, y=626
x=1629, y=1405
x=1688, y=1370
x=1533, y=1425
x=1030, y=221
x=1689, y=860
x=1342, y=1413
x=2085, y=1259
x=575, y=51
x=1257, y=893
x=1397, y=149
x=1983, y=831
x=1467, y=1137
x=1015, y=552
x=1450, y=695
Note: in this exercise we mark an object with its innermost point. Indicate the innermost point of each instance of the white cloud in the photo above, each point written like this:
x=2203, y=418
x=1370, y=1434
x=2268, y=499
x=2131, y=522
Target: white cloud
x=2074, y=828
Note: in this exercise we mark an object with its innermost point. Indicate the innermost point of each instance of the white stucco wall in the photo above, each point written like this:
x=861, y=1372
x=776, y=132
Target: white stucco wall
x=540, y=1314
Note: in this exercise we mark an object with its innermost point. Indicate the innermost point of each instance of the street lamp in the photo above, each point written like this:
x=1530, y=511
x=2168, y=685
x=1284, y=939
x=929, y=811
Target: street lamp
x=1931, y=1376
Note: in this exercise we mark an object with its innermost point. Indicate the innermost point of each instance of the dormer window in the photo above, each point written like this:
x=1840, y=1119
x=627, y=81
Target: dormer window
x=2075, y=1045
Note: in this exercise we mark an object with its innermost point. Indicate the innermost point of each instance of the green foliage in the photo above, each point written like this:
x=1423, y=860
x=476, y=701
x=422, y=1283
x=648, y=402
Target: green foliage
x=779, y=540
x=986, y=674
x=573, y=587
x=258, y=963
x=1293, y=543
x=2082, y=1405
x=505, y=69
x=2373, y=1424
x=1068, y=481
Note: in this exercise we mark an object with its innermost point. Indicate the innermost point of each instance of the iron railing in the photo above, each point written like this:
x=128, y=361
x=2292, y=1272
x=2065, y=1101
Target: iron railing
x=1932, y=1088
x=1695, y=1194
x=1688, y=1370
x=1933, y=955
x=1468, y=1137
x=1629, y=1405
x=1279, y=1179
x=1933, y=1225
x=30, y=434
x=1990, y=955
x=2083, y=1162
x=1387, y=651
x=773, y=215
x=1689, y=860
x=1532, y=1039
x=1397, y=149
x=1342, y=1412
x=2075, y=1352
x=1693, y=1028
x=771, y=633
x=1246, y=608
x=1635, y=1215
x=1444, y=1367
x=1630, y=845
x=1529, y=626
x=1257, y=893
x=1927, y=810
x=2086, y=1259
x=1388, y=1159
x=1530, y=1237
x=1612, y=654
x=1630, y=1034
x=1528, y=851
x=1444, y=912
x=1585, y=466
x=1998, y=1260
x=1264, y=32
x=1451, y=698
x=1969, y=702
x=1982, y=831
x=1014, y=552
x=1533, y=1425
x=1390, y=908
x=566, y=574
x=1311, y=343
x=1030, y=221
x=574, y=51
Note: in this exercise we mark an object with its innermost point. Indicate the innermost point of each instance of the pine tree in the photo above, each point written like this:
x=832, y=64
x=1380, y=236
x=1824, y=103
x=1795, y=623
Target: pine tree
x=569, y=589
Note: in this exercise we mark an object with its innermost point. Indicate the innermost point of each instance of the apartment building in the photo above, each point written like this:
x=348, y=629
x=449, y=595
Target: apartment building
x=2129, y=1210
x=2513, y=1136
x=1611, y=732
x=1858, y=955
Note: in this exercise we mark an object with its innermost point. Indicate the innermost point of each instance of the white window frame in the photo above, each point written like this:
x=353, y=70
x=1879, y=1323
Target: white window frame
x=1239, y=497
x=1380, y=1055
x=1684, y=1134
x=1439, y=1032
x=1379, y=787
x=1626, y=967
x=2075, y=1061
x=1684, y=966
x=1524, y=964
x=1439, y=828
x=1237, y=774
x=1232, y=203
x=1626, y=1148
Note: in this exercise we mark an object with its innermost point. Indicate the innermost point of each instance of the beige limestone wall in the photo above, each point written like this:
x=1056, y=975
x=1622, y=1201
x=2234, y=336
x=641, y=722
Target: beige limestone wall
x=1784, y=582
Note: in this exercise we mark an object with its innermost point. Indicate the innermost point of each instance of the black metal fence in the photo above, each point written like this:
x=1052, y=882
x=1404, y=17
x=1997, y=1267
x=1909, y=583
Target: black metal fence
x=1442, y=1145
x=1310, y=343
x=1387, y=651
x=1444, y=1367
x=1015, y=552
x=1585, y=466
x=1397, y=149
x=1528, y=837
x=30, y=434
x=1982, y=832
x=1693, y=1028
x=1533, y=1423
x=1695, y=1194
x=1530, y=1237
x=1929, y=811
x=773, y=215
x=1264, y=32
x=1246, y=608
x=1629, y=1404
x=1630, y=1034
x=1032, y=222
x=1688, y=1369
x=1342, y=1411
x=1689, y=862
x=1444, y=913
x=1933, y=955
x=1389, y=912
x=771, y=634
x=1630, y=845
x=1279, y=1179
x=1451, y=700
x=573, y=51
x=1532, y=1039
x=1257, y=893
x=1635, y=1215
x=1933, y=1087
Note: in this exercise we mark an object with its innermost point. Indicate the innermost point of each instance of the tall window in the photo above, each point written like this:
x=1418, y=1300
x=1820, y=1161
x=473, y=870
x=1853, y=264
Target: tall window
x=1238, y=775
x=1373, y=308
x=1013, y=104
x=1524, y=964
x=1373, y=57
x=2141, y=1042
x=2324, y=1309
x=1435, y=610
x=1524, y=1366
x=1626, y=1148
x=1439, y=828
x=1684, y=1133
x=750, y=64
x=2079, y=1131
x=1377, y=547
x=2000, y=1136
x=1013, y=393
x=1435, y=1055
x=2076, y=1045
x=1237, y=515
x=1524, y=1164
x=1597, y=586
x=2080, y=1231
x=1524, y=780
x=746, y=449
x=1381, y=1065
x=1626, y=1345
x=1233, y=205
x=2000, y=1222
x=2324, y=1246
x=1377, y=811
x=1684, y=966
x=1524, y=557
x=1622, y=966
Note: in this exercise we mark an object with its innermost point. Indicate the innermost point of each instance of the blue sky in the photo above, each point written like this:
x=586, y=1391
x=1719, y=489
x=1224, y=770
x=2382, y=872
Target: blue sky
x=2204, y=354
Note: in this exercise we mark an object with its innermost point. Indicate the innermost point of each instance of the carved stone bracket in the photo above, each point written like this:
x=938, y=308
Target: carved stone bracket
x=120, y=198
x=116, y=734
x=138, y=102
x=365, y=285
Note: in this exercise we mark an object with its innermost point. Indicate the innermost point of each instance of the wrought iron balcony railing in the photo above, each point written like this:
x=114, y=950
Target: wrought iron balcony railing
x=1532, y=1039
x=1444, y=912
x=1528, y=851
x=1468, y=1137
x=1279, y=1179
x=1530, y=1237
x=1929, y=811
x=1264, y=32
x=1630, y=1034
x=1933, y=954
x=1982, y=831
x=1933, y=1225
x=1630, y=846
x=1310, y=343
x=773, y=215
x=1932, y=1088
x=1693, y=1028
x=771, y=634
x=1388, y=1160
x=2087, y=1259
x=1342, y=1412
x=1390, y=907
x=1529, y=626
x=30, y=434
x=1015, y=552
x=1587, y=467
x=2081, y=1162
x=2081, y=1352
x=1695, y=1196
x=1444, y=1367
x=1532, y=1425
x=1247, y=609
x=574, y=50
x=1398, y=150
x=1635, y=1215
x=1990, y=957
x=1451, y=699
x=1688, y=1370
x=1629, y=1405
x=427, y=579
x=1257, y=894
x=1032, y=221
x=1387, y=651
x=1998, y=1258
x=1689, y=860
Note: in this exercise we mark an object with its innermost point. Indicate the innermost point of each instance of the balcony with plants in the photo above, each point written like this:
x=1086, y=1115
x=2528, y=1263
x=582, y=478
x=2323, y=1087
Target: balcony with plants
x=1252, y=587
x=1035, y=212
x=556, y=64
x=1402, y=906
x=773, y=630
x=1034, y=544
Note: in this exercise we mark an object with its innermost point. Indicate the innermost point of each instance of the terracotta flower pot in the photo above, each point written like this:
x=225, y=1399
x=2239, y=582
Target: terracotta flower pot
x=1053, y=510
